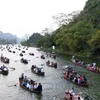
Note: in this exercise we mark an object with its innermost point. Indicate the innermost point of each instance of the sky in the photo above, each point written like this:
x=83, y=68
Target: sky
x=20, y=17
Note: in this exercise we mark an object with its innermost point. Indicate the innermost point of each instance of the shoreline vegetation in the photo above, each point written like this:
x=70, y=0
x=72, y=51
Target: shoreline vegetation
x=79, y=36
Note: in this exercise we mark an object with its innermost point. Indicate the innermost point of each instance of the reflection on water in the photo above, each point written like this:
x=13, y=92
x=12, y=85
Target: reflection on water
x=54, y=85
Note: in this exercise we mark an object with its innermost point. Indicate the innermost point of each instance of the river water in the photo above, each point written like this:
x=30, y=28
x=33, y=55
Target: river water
x=54, y=85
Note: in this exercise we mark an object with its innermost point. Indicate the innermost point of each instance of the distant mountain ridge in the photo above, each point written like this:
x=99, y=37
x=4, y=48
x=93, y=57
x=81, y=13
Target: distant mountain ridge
x=8, y=37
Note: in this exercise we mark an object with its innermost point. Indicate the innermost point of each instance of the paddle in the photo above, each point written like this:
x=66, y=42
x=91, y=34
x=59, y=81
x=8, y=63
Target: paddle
x=13, y=85
x=11, y=68
x=42, y=64
x=27, y=70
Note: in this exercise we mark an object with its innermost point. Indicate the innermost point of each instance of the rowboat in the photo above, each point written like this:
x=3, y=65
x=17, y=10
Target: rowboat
x=39, y=72
x=52, y=64
x=76, y=96
x=4, y=70
x=33, y=91
x=4, y=59
x=24, y=61
x=86, y=84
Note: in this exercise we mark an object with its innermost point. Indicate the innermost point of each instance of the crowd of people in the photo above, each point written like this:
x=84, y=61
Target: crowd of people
x=72, y=95
x=72, y=76
x=52, y=55
x=30, y=84
x=77, y=61
x=91, y=67
x=37, y=69
x=52, y=64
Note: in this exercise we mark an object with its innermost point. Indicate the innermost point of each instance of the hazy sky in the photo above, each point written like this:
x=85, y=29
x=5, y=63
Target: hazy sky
x=27, y=16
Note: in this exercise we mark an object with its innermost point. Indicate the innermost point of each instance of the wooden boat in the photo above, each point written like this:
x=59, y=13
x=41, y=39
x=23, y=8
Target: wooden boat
x=51, y=65
x=78, y=96
x=4, y=70
x=52, y=55
x=77, y=63
x=86, y=66
x=69, y=96
x=24, y=61
x=42, y=57
x=23, y=51
x=33, y=91
x=21, y=54
x=13, y=51
x=32, y=54
x=95, y=71
x=75, y=82
x=39, y=72
x=5, y=59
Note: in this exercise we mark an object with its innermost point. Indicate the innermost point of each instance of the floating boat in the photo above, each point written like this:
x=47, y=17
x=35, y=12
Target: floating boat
x=32, y=54
x=52, y=64
x=86, y=84
x=38, y=71
x=77, y=63
x=24, y=61
x=42, y=57
x=86, y=66
x=4, y=59
x=4, y=70
x=33, y=91
x=95, y=71
x=76, y=96
x=21, y=54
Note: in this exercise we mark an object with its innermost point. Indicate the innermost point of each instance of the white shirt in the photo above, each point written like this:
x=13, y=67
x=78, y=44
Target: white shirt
x=42, y=70
x=35, y=86
x=28, y=85
x=5, y=69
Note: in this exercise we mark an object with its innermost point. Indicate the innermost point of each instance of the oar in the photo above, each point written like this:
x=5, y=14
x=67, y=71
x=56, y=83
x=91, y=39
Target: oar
x=11, y=68
x=13, y=85
x=42, y=64
x=27, y=70
x=16, y=60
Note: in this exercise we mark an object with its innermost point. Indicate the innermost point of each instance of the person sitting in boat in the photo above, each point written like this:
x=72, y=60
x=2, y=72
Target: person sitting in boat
x=39, y=88
x=51, y=63
x=84, y=79
x=2, y=67
x=33, y=66
x=81, y=79
x=31, y=86
x=79, y=82
x=67, y=95
x=39, y=70
x=55, y=64
x=71, y=77
x=72, y=92
x=74, y=79
x=94, y=64
x=73, y=57
x=25, y=78
x=28, y=85
x=48, y=62
x=24, y=83
x=22, y=76
x=35, y=85
x=42, y=69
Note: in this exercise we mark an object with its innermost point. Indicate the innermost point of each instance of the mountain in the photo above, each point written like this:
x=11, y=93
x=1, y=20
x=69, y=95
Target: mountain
x=8, y=37
x=32, y=41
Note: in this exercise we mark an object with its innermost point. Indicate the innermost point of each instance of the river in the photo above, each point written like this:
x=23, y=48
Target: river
x=54, y=85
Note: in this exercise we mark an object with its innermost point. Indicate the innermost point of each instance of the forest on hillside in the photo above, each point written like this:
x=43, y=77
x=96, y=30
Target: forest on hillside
x=78, y=34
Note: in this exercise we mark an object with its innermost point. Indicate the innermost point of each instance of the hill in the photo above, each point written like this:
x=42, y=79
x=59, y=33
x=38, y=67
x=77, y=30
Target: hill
x=7, y=38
